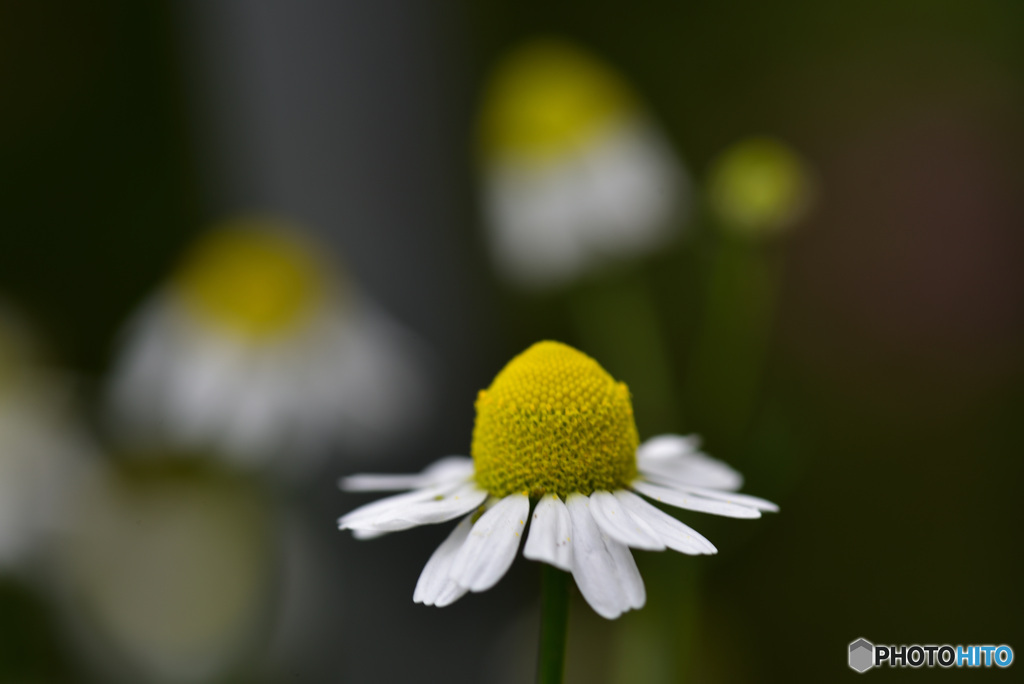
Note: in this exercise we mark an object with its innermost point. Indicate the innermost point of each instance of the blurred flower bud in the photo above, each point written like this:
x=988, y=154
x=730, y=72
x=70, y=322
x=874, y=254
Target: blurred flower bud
x=759, y=187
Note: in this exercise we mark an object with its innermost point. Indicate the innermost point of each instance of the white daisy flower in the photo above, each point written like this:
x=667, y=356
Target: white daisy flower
x=256, y=348
x=556, y=433
x=759, y=187
x=575, y=173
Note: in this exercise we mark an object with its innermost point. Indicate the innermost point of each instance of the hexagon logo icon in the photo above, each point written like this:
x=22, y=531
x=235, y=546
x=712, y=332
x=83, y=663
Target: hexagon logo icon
x=862, y=655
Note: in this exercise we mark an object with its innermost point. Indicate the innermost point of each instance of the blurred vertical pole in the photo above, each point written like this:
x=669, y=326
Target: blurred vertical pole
x=340, y=117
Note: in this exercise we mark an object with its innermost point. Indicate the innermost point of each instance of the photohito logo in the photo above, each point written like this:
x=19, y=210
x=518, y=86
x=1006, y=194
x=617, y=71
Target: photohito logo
x=864, y=655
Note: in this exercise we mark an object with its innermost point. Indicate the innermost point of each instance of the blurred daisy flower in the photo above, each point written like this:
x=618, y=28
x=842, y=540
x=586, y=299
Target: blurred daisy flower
x=256, y=347
x=555, y=433
x=759, y=187
x=168, y=572
x=575, y=173
x=42, y=448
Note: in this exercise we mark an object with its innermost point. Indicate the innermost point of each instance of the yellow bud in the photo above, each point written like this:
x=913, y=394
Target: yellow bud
x=758, y=187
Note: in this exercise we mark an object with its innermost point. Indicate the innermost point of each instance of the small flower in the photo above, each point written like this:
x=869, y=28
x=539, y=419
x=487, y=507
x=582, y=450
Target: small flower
x=575, y=173
x=759, y=187
x=256, y=347
x=554, y=431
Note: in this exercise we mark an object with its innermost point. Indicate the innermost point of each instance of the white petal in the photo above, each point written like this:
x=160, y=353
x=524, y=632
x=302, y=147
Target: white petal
x=674, y=534
x=452, y=593
x=438, y=506
x=491, y=547
x=550, y=538
x=728, y=497
x=363, y=535
x=435, y=587
x=696, y=469
x=365, y=369
x=628, y=573
x=450, y=469
x=676, y=458
x=534, y=219
x=603, y=569
x=633, y=189
x=379, y=506
x=262, y=414
x=618, y=524
x=667, y=446
x=691, y=502
x=146, y=359
x=379, y=482
x=202, y=393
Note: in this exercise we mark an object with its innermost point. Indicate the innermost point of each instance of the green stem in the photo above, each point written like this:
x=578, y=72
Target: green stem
x=728, y=359
x=554, y=619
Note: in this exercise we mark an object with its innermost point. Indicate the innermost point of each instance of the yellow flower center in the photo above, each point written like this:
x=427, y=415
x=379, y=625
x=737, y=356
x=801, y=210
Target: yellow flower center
x=549, y=97
x=554, y=422
x=252, y=279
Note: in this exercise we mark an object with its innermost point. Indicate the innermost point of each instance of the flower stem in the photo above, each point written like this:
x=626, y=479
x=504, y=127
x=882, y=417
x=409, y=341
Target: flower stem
x=554, y=619
x=728, y=360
